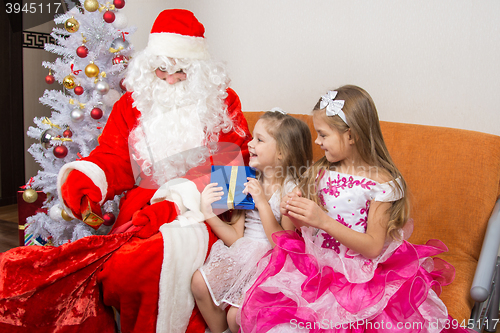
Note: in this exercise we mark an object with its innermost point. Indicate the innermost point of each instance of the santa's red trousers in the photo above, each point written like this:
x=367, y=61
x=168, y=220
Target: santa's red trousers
x=136, y=297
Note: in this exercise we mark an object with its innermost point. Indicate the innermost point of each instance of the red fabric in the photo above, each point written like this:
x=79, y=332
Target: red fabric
x=152, y=217
x=133, y=288
x=112, y=155
x=25, y=210
x=76, y=186
x=54, y=289
x=64, y=294
x=133, y=201
x=130, y=278
x=178, y=21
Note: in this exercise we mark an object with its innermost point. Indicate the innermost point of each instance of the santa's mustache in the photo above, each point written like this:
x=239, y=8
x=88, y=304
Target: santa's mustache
x=164, y=133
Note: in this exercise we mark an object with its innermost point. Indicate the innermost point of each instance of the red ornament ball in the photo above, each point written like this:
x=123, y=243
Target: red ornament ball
x=119, y=3
x=96, y=113
x=122, y=85
x=82, y=51
x=50, y=79
x=78, y=90
x=60, y=151
x=109, y=219
x=67, y=133
x=109, y=16
x=120, y=59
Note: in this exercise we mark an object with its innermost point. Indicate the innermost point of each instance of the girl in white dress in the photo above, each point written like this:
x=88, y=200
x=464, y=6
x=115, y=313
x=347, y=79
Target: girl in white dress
x=280, y=151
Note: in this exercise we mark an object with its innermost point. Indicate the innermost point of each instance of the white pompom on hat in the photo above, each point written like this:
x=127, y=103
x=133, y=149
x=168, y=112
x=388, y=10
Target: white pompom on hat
x=177, y=33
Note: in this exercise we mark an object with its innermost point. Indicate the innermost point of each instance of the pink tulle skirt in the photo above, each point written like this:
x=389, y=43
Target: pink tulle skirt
x=304, y=287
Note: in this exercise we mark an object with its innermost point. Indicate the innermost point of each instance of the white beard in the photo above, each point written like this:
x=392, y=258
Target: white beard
x=177, y=121
x=170, y=138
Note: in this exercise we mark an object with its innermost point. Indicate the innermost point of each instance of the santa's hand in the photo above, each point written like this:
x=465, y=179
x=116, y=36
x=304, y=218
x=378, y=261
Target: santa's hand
x=152, y=217
x=76, y=186
x=210, y=194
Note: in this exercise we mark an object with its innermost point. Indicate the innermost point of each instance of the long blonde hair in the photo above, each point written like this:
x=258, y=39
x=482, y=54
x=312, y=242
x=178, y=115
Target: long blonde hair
x=293, y=142
x=362, y=117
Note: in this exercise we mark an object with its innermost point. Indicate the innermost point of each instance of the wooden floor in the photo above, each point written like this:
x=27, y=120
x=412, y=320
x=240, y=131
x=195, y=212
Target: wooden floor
x=9, y=213
x=9, y=234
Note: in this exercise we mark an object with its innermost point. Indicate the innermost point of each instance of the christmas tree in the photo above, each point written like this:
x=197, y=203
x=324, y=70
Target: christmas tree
x=94, y=50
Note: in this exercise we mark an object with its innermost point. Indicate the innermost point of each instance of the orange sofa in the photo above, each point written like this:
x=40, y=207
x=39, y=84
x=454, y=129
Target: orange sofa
x=453, y=177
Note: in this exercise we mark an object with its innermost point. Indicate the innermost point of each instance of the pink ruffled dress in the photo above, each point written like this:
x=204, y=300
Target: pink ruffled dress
x=312, y=283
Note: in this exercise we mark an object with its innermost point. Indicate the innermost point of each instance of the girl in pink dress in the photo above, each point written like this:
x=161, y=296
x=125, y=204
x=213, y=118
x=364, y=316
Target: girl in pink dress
x=348, y=267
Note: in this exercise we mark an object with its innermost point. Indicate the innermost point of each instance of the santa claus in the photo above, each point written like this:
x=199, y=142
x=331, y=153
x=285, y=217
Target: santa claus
x=156, y=148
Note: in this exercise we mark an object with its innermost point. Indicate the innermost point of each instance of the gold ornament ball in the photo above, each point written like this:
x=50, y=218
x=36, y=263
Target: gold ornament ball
x=69, y=82
x=91, y=70
x=91, y=5
x=71, y=25
x=65, y=216
x=30, y=195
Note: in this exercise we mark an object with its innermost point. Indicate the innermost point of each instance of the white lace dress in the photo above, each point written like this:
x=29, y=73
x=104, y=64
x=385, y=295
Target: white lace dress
x=229, y=271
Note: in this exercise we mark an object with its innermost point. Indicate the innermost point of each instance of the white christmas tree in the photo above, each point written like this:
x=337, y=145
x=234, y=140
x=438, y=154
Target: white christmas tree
x=94, y=50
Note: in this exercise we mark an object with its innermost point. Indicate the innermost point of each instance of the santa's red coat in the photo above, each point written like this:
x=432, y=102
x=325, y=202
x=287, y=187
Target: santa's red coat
x=127, y=270
x=110, y=167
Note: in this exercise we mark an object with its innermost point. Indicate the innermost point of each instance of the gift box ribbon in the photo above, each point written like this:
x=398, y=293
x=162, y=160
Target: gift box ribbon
x=232, y=187
x=232, y=179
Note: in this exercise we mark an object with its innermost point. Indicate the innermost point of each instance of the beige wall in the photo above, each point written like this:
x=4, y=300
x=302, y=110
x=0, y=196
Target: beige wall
x=426, y=62
x=34, y=86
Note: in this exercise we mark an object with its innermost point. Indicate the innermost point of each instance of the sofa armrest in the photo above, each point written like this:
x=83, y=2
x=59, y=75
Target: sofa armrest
x=481, y=284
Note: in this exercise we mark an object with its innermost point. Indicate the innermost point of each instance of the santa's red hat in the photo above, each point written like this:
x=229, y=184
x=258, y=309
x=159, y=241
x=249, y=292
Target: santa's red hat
x=177, y=33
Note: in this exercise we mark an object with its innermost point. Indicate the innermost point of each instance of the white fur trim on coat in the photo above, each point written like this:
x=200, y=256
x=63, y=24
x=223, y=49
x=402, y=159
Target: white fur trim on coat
x=91, y=170
x=177, y=46
x=185, y=246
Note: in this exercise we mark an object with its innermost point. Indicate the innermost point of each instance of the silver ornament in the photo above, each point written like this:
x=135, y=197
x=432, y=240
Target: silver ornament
x=55, y=213
x=121, y=21
x=47, y=135
x=77, y=115
x=111, y=97
x=102, y=87
x=118, y=44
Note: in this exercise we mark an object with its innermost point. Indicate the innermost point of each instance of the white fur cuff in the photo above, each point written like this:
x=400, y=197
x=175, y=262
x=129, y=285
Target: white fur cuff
x=91, y=170
x=184, y=251
x=177, y=46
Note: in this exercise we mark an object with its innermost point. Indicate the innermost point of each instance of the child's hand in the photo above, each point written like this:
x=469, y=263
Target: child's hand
x=210, y=194
x=256, y=191
x=284, y=211
x=285, y=200
x=306, y=211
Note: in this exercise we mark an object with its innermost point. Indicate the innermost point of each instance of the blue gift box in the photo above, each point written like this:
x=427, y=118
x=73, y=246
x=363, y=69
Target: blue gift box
x=231, y=179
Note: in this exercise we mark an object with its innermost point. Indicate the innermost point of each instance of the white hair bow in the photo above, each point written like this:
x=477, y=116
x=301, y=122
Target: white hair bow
x=333, y=107
x=277, y=109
